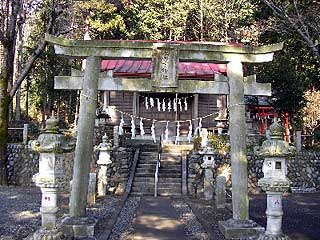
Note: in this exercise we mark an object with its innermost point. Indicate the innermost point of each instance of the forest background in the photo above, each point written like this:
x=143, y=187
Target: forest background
x=28, y=65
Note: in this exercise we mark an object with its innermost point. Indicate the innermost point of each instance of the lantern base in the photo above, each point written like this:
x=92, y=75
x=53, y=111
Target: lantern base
x=44, y=234
x=238, y=229
x=81, y=227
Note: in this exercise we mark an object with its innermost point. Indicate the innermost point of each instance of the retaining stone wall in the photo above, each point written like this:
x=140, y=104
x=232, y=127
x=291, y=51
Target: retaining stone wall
x=118, y=171
x=99, y=131
x=303, y=171
x=23, y=163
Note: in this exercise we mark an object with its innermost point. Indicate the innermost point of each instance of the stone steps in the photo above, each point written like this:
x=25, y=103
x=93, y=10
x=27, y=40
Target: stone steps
x=170, y=174
x=164, y=168
x=161, y=180
x=137, y=191
x=161, y=185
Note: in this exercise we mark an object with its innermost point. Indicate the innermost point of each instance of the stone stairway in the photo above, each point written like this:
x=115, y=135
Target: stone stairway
x=170, y=174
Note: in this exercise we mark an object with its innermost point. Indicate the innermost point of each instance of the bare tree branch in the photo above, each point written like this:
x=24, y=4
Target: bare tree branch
x=39, y=50
x=27, y=68
x=296, y=22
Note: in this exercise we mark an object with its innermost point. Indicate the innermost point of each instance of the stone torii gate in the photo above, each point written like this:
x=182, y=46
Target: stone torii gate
x=165, y=57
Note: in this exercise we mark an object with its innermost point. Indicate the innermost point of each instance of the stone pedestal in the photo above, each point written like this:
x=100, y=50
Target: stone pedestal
x=102, y=180
x=208, y=184
x=239, y=229
x=48, y=208
x=208, y=166
x=274, y=217
x=50, y=145
x=220, y=191
x=103, y=161
x=79, y=227
x=91, y=196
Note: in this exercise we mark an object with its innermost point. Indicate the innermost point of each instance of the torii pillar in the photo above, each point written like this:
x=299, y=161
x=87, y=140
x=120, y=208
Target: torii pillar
x=77, y=224
x=239, y=226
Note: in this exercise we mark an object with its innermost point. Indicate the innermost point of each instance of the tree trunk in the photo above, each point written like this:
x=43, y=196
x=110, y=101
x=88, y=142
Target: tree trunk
x=27, y=97
x=4, y=109
x=6, y=73
x=18, y=74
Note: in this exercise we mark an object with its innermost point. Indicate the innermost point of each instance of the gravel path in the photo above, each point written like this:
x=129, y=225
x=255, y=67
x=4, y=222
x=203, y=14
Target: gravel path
x=19, y=208
x=123, y=226
x=209, y=216
x=193, y=227
x=20, y=212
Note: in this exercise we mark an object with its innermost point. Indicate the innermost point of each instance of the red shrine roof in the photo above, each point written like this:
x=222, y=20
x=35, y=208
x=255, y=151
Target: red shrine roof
x=143, y=68
x=187, y=70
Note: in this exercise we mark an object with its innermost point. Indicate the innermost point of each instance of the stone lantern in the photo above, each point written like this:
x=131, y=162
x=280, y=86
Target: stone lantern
x=208, y=166
x=103, y=161
x=275, y=181
x=51, y=145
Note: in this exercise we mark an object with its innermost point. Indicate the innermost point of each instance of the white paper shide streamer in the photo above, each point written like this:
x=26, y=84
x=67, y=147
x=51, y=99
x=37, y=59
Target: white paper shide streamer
x=142, y=132
x=151, y=102
x=147, y=103
x=200, y=125
x=121, y=125
x=197, y=131
x=175, y=104
x=189, y=137
x=163, y=105
x=133, y=128
x=158, y=105
x=169, y=105
x=153, y=132
x=178, y=134
x=185, y=104
x=180, y=104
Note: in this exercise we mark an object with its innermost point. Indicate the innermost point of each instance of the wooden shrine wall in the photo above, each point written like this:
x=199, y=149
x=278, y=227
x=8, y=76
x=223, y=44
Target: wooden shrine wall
x=123, y=101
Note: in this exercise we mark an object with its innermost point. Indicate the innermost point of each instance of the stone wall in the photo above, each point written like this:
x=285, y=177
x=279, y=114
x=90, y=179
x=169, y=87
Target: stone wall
x=118, y=171
x=303, y=171
x=23, y=163
x=99, y=131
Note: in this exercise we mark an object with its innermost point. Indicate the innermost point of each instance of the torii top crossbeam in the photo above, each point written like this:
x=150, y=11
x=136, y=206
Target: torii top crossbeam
x=192, y=51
